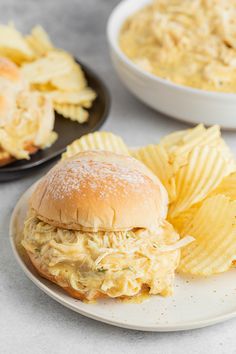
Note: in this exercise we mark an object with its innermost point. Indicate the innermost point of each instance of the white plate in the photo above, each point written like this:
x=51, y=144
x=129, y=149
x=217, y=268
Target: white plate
x=196, y=302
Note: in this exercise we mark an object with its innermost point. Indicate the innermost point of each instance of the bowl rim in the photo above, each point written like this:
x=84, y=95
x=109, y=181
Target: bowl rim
x=113, y=42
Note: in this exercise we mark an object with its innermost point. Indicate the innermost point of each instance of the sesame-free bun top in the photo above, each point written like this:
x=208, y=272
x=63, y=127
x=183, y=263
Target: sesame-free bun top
x=100, y=190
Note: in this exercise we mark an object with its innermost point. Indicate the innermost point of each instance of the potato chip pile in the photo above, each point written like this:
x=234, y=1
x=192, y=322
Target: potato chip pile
x=49, y=70
x=199, y=172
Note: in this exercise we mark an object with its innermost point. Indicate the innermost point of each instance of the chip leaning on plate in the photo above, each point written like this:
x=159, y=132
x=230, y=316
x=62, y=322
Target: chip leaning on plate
x=97, y=227
x=198, y=171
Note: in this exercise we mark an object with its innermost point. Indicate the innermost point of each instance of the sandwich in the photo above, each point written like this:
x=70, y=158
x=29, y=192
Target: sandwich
x=26, y=117
x=97, y=227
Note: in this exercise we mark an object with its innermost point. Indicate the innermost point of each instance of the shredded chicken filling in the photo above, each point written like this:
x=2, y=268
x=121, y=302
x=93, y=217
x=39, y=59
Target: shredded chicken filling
x=113, y=263
x=192, y=43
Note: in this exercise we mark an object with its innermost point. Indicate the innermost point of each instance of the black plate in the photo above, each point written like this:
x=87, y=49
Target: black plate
x=66, y=129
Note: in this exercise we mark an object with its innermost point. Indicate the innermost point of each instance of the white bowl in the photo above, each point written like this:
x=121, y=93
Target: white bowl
x=181, y=102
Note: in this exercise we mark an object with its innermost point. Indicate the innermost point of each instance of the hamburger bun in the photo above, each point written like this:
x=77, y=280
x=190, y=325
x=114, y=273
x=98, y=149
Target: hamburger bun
x=60, y=281
x=98, y=190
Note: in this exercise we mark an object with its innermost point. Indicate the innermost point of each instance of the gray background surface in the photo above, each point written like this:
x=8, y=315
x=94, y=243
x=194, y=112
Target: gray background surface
x=31, y=322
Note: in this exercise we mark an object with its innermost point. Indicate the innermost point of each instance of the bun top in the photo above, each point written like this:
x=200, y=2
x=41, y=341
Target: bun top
x=100, y=190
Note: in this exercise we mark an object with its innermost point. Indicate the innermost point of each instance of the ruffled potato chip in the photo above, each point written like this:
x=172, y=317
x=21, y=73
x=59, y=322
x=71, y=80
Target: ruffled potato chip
x=227, y=187
x=180, y=144
x=214, y=229
x=181, y=137
x=156, y=158
x=203, y=172
x=39, y=41
x=97, y=141
x=45, y=87
x=87, y=104
x=46, y=68
x=13, y=45
x=74, y=80
x=52, y=137
x=72, y=97
x=72, y=112
x=183, y=218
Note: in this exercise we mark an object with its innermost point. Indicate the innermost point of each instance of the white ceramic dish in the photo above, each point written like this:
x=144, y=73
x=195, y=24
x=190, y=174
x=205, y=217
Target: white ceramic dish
x=196, y=302
x=187, y=104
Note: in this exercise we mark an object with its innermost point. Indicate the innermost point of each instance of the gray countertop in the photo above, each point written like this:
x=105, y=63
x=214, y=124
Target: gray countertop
x=30, y=321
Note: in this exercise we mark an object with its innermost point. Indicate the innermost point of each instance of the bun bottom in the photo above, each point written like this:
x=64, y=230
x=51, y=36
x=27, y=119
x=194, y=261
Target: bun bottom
x=32, y=149
x=6, y=160
x=57, y=280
